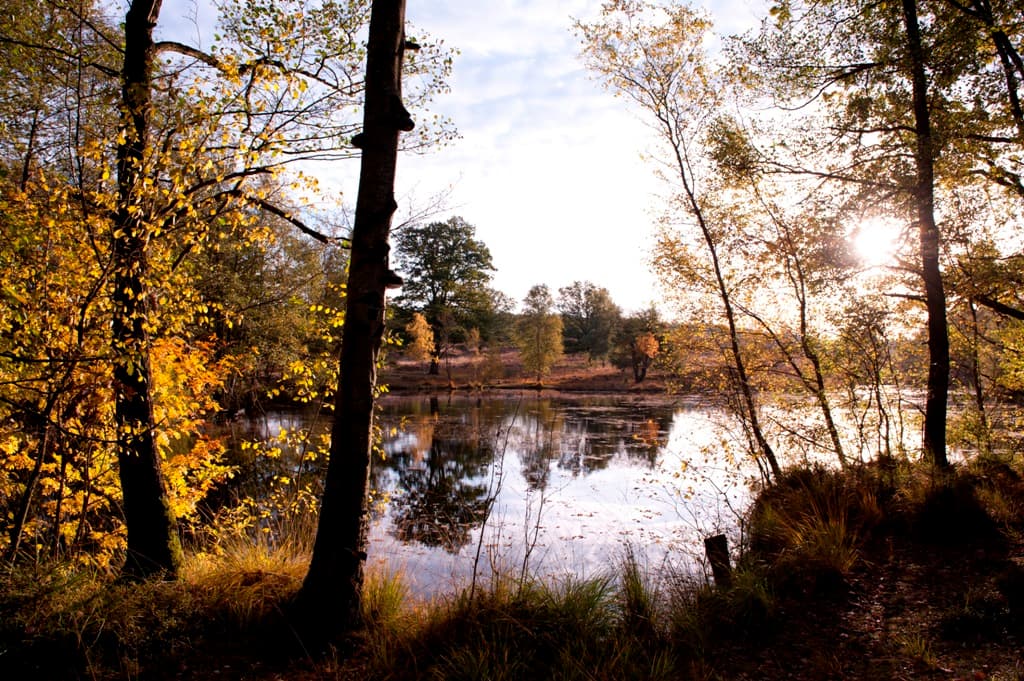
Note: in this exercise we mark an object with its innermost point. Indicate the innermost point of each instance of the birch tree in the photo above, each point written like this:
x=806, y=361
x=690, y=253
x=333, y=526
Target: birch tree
x=654, y=56
x=538, y=333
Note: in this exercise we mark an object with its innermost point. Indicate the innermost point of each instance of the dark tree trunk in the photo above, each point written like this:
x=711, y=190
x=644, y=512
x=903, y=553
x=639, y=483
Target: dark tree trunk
x=153, y=544
x=924, y=205
x=640, y=364
x=330, y=599
x=30, y=148
x=984, y=434
x=1009, y=58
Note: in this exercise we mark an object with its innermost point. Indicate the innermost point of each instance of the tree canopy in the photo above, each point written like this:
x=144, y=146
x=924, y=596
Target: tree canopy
x=590, y=318
x=444, y=267
x=446, y=274
x=538, y=332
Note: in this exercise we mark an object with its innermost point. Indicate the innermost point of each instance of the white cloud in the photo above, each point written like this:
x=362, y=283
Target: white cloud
x=548, y=167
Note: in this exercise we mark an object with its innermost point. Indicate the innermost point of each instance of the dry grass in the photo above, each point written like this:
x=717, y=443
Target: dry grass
x=224, y=619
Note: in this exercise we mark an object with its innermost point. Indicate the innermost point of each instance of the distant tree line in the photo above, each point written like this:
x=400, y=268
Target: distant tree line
x=446, y=299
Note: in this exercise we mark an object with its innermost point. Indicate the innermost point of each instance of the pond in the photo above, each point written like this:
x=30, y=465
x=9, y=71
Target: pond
x=544, y=485
x=548, y=485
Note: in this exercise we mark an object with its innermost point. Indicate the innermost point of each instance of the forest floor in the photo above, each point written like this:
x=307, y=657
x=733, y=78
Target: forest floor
x=943, y=599
x=908, y=611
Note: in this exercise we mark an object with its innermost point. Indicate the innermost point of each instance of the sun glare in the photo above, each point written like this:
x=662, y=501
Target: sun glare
x=875, y=241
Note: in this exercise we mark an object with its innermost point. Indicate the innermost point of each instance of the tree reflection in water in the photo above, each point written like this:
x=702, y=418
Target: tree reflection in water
x=440, y=498
x=573, y=478
x=441, y=454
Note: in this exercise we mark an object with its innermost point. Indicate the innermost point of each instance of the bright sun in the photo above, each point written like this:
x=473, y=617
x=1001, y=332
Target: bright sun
x=875, y=241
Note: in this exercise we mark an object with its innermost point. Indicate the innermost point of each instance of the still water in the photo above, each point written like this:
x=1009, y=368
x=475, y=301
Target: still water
x=545, y=485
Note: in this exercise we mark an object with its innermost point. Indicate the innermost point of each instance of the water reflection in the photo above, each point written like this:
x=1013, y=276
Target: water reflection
x=438, y=497
x=538, y=483
x=433, y=445
x=520, y=478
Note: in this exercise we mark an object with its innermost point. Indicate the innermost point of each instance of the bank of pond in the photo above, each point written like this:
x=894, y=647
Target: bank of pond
x=538, y=537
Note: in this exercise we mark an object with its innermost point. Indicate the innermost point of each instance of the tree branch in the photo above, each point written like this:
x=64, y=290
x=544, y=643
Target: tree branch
x=1001, y=308
x=188, y=51
x=273, y=209
x=64, y=54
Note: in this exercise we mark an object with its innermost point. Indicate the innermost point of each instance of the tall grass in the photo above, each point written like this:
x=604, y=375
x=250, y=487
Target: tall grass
x=515, y=628
x=813, y=526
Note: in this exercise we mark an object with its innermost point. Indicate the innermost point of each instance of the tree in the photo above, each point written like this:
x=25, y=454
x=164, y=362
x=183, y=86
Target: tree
x=421, y=338
x=637, y=344
x=331, y=594
x=153, y=544
x=654, y=55
x=446, y=272
x=988, y=77
x=800, y=254
x=805, y=273
x=923, y=193
x=198, y=156
x=54, y=308
x=268, y=300
x=908, y=90
x=539, y=332
x=589, y=317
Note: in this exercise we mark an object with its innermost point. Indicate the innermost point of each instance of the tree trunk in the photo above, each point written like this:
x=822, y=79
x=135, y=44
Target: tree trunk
x=984, y=432
x=153, y=544
x=330, y=599
x=25, y=503
x=764, y=449
x=924, y=205
x=811, y=353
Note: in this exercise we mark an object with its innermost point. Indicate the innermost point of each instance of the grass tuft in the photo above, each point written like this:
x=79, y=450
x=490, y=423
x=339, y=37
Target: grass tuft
x=811, y=525
x=571, y=628
x=638, y=597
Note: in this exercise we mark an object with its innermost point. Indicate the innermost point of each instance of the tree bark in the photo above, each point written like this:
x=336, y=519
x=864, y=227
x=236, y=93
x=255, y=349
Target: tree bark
x=153, y=544
x=330, y=599
x=929, y=237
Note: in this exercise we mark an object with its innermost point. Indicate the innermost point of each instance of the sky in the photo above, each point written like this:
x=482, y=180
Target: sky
x=549, y=165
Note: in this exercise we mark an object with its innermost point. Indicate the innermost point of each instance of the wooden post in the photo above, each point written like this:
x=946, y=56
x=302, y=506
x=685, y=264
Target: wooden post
x=717, y=550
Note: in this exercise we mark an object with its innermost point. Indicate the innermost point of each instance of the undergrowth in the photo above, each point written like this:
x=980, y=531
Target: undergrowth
x=809, y=537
